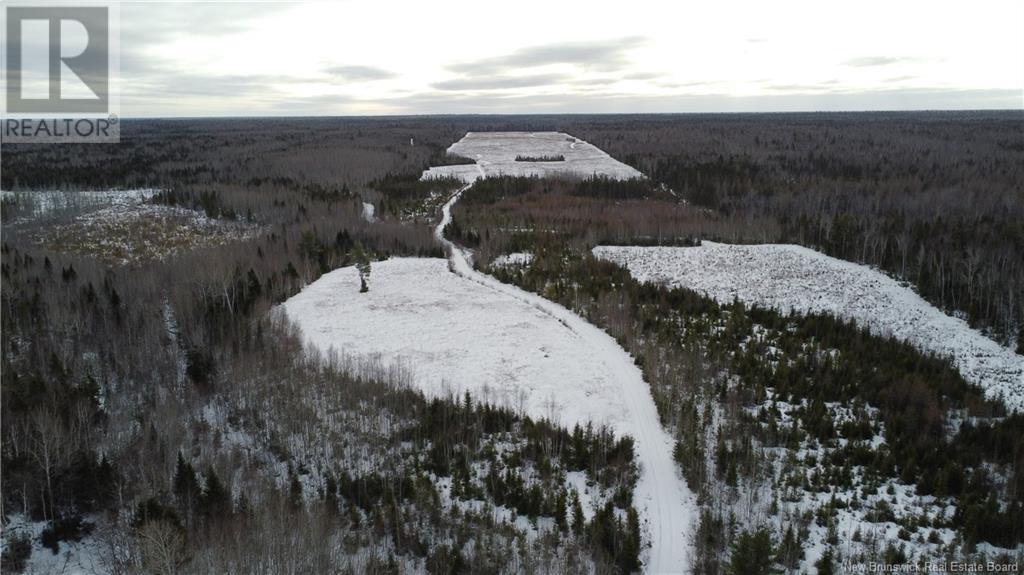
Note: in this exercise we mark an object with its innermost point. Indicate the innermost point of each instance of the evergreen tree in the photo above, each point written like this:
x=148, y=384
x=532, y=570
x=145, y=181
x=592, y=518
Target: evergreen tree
x=894, y=555
x=789, y=551
x=200, y=367
x=331, y=495
x=826, y=564
x=629, y=556
x=362, y=261
x=294, y=491
x=446, y=560
x=560, y=511
x=579, y=521
x=752, y=554
x=216, y=500
x=186, y=487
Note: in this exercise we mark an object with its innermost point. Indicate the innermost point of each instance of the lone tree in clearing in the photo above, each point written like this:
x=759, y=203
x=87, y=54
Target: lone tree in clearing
x=363, y=265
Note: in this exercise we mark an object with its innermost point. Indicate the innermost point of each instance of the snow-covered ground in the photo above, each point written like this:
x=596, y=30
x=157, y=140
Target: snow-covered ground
x=457, y=335
x=466, y=172
x=468, y=332
x=495, y=153
x=89, y=555
x=513, y=259
x=789, y=277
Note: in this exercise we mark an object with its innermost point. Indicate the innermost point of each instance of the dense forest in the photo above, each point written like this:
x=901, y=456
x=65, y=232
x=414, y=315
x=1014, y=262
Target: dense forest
x=936, y=199
x=154, y=404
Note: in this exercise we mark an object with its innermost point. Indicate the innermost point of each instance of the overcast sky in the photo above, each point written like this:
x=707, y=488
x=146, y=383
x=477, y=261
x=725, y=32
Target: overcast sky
x=521, y=56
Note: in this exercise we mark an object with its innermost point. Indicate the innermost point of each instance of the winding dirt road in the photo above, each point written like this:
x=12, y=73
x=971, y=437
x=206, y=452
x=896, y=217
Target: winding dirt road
x=667, y=508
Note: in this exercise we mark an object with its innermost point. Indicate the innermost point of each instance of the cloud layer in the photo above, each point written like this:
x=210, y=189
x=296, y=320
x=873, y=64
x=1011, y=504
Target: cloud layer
x=342, y=58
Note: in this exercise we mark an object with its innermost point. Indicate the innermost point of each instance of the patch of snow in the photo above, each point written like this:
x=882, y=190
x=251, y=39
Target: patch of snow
x=495, y=154
x=789, y=277
x=85, y=556
x=369, y=212
x=513, y=259
x=466, y=172
x=585, y=492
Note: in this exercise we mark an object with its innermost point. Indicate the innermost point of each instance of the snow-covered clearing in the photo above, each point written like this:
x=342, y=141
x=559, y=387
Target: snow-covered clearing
x=34, y=204
x=119, y=226
x=123, y=233
x=495, y=153
x=456, y=335
x=789, y=277
x=468, y=332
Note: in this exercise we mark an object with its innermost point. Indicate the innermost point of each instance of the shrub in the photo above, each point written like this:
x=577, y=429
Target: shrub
x=70, y=528
x=16, y=554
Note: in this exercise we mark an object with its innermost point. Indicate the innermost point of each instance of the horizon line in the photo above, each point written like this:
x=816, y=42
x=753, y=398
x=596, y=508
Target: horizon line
x=515, y=114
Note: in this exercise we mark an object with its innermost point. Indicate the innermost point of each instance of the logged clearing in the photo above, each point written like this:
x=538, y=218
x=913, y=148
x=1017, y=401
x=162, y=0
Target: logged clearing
x=496, y=152
x=789, y=277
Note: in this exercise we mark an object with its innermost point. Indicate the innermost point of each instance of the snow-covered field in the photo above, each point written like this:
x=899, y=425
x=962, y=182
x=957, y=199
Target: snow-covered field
x=455, y=335
x=495, y=154
x=788, y=277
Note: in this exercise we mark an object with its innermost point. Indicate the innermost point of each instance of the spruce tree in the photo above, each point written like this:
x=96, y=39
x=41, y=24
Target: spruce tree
x=629, y=556
x=362, y=261
x=560, y=511
x=826, y=564
x=579, y=522
x=752, y=554
x=331, y=495
x=789, y=551
x=186, y=487
x=216, y=498
x=294, y=491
